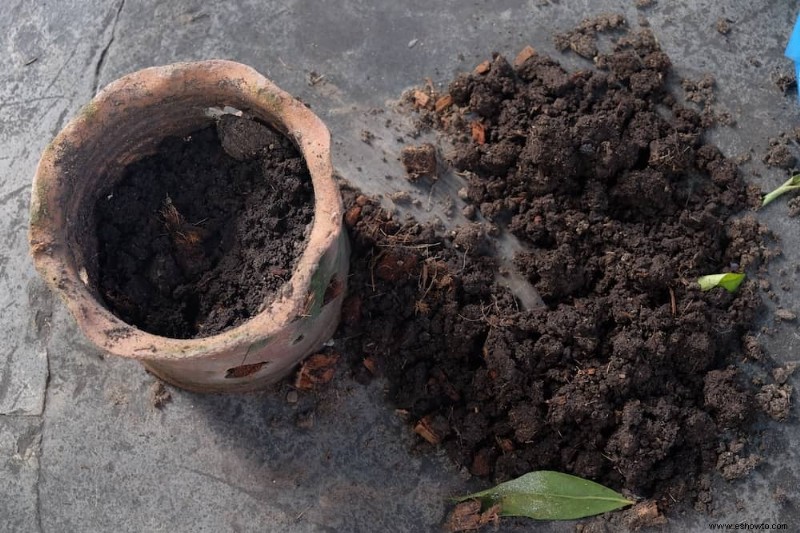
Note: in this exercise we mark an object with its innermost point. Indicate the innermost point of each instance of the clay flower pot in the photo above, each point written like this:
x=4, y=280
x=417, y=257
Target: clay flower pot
x=125, y=122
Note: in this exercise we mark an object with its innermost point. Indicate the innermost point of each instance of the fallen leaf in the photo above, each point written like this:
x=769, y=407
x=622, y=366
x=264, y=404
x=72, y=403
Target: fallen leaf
x=729, y=281
x=792, y=184
x=547, y=495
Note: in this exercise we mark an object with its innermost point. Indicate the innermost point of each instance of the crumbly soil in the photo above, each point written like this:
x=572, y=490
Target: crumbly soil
x=195, y=239
x=159, y=395
x=628, y=375
x=582, y=39
x=782, y=150
x=419, y=161
x=785, y=81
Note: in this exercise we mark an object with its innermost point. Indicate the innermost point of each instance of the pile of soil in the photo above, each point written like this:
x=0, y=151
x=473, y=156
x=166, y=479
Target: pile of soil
x=628, y=375
x=194, y=239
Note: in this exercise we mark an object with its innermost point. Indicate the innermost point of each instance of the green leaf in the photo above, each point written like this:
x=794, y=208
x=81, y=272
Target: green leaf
x=549, y=495
x=729, y=281
x=792, y=184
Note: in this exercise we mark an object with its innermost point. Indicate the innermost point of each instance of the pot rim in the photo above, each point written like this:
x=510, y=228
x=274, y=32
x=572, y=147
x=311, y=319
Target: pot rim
x=248, y=91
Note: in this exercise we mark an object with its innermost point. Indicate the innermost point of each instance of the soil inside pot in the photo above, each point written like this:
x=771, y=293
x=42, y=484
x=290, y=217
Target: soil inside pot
x=194, y=239
x=628, y=375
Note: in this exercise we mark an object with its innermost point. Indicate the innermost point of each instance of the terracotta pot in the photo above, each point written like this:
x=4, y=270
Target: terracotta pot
x=125, y=122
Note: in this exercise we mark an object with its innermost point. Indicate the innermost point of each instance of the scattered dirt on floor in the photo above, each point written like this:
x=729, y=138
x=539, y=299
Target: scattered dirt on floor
x=780, y=153
x=702, y=92
x=723, y=26
x=775, y=400
x=582, y=40
x=786, y=82
x=468, y=516
x=419, y=161
x=628, y=375
x=159, y=395
x=794, y=207
x=194, y=239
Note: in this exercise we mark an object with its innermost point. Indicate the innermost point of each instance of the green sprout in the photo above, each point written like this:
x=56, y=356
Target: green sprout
x=729, y=281
x=546, y=495
x=792, y=184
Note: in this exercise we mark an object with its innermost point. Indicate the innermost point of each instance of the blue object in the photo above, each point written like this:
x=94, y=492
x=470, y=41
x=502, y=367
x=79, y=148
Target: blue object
x=793, y=51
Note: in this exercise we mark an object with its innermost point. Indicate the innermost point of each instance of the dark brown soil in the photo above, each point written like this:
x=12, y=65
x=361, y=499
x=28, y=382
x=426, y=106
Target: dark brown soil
x=786, y=82
x=159, y=395
x=581, y=40
x=419, y=161
x=194, y=239
x=724, y=26
x=628, y=376
x=780, y=153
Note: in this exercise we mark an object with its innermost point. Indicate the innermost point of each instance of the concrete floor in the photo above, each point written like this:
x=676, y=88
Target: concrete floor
x=81, y=447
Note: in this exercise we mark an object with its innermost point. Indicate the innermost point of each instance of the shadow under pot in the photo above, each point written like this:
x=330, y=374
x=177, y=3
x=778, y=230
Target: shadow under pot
x=189, y=218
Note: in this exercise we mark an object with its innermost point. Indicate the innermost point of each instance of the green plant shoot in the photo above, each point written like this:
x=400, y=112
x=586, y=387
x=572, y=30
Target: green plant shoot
x=792, y=184
x=546, y=495
x=729, y=281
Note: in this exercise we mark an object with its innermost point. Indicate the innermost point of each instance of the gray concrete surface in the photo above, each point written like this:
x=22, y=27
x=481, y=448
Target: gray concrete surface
x=81, y=447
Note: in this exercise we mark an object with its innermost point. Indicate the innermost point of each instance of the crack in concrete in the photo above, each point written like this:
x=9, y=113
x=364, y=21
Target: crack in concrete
x=104, y=53
x=257, y=496
x=29, y=445
x=44, y=327
x=5, y=378
x=39, y=439
x=24, y=444
x=27, y=101
x=38, y=483
x=61, y=69
x=16, y=192
x=59, y=122
x=41, y=300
